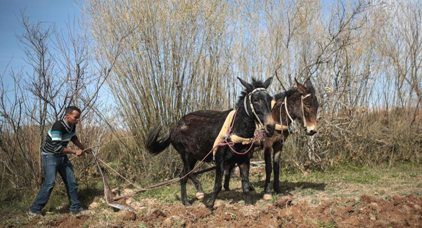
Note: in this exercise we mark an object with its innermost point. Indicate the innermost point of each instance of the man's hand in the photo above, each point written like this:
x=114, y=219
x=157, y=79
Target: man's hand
x=81, y=146
x=79, y=152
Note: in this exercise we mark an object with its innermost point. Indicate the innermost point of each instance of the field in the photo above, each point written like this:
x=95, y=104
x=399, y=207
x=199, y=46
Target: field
x=346, y=196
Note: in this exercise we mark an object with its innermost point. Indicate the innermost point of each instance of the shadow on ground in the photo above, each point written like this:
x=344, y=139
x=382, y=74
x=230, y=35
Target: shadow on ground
x=234, y=195
x=86, y=196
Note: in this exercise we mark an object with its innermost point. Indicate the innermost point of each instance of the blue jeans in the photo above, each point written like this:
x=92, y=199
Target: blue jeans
x=52, y=165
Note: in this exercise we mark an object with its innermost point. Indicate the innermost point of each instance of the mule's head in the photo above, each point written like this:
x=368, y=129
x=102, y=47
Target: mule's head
x=306, y=107
x=257, y=103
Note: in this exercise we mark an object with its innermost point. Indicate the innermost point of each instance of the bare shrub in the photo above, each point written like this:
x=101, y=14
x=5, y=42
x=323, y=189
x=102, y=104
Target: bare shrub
x=37, y=98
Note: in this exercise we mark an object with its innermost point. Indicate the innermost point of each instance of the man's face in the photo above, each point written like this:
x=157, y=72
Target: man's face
x=73, y=118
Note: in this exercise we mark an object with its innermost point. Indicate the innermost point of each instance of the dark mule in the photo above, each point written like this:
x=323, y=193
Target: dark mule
x=194, y=135
x=302, y=105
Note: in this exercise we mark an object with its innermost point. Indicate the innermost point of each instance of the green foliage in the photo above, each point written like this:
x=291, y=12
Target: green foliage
x=323, y=224
x=12, y=201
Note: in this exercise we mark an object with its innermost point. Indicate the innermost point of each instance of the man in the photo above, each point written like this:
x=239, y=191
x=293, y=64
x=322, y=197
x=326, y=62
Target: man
x=54, y=156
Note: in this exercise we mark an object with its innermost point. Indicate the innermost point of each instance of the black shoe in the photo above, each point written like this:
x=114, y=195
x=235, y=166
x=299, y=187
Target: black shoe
x=34, y=213
x=80, y=211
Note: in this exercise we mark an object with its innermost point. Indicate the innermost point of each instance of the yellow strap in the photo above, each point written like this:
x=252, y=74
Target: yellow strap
x=273, y=103
x=223, y=130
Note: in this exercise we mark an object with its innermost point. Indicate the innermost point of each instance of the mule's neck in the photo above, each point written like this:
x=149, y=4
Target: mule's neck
x=285, y=111
x=244, y=124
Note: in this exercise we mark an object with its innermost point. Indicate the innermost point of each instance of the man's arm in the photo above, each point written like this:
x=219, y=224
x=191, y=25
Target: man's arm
x=56, y=134
x=71, y=151
x=82, y=147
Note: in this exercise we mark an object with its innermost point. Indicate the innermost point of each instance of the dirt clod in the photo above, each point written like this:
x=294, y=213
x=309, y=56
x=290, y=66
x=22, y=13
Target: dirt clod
x=174, y=221
x=283, y=202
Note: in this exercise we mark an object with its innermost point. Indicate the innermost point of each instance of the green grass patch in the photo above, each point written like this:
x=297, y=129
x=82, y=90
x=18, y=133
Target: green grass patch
x=418, y=193
x=305, y=185
x=382, y=179
x=171, y=193
x=349, y=173
x=323, y=224
x=342, y=195
x=13, y=202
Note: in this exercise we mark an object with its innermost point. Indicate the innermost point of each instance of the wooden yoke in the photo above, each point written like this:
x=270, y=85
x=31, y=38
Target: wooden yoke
x=279, y=127
x=245, y=141
x=238, y=139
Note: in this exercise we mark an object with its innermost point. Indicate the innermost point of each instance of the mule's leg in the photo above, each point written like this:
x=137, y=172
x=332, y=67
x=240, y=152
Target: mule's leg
x=268, y=170
x=244, y=175
x=251, y=188
x=276, y=164
x=219, y=171
x=199, y=191
x=228, y=172
x=183, y=181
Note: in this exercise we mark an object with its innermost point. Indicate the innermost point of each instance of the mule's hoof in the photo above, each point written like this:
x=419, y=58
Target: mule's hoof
x=210, y=207
x=267, y=196
x=200, y=195
x=186, y=203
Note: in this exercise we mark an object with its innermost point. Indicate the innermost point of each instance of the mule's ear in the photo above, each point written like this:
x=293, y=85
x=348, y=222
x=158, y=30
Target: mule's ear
x=301, y=88
x=308, y=83
x=248, y=86
x=268, y=82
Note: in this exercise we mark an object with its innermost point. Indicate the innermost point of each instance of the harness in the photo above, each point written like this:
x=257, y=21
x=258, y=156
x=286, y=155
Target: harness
x=288, y=114
x=251, y=106
x=230, y=139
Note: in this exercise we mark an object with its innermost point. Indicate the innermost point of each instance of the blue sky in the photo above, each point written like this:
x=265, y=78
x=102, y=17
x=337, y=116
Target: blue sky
x=57, y=12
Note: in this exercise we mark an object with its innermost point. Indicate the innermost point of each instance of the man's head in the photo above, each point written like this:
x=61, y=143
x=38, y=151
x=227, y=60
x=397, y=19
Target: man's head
x=73, y=114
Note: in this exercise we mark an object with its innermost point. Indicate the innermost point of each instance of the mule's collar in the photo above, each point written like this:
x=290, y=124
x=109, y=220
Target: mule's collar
x=308, y=95
x=251, y=105
x=258, y=89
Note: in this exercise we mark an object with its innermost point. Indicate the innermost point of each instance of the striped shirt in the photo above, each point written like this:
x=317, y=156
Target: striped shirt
x=58, y=137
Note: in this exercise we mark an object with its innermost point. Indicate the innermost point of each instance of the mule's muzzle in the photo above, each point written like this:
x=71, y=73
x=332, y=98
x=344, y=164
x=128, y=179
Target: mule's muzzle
x=269, y=130
x=311, y=130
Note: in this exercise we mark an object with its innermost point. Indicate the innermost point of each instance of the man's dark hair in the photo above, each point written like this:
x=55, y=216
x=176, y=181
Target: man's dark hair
x=70, y=109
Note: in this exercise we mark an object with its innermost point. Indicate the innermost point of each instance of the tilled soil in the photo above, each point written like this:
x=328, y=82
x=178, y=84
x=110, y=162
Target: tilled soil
x=301, y=204
x=367, y=211
x=364, y=211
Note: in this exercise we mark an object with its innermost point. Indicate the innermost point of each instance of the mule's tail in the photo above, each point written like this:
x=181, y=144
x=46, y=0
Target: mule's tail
x=153, y=144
